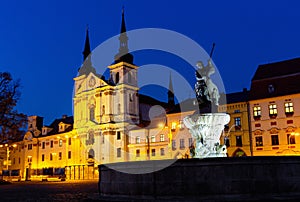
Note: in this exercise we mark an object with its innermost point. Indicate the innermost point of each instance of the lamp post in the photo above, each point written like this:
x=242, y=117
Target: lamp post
x=7, y=152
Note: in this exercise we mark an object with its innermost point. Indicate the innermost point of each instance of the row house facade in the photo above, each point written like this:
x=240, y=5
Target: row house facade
x=275, y=108
x=236, y=134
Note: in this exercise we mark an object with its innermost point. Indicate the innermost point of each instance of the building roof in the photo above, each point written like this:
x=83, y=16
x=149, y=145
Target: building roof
x=237, y=97
x=55, y=125
x=276, y=79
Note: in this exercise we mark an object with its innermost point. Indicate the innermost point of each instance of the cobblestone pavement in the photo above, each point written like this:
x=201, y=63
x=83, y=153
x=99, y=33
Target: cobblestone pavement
x=50, y=191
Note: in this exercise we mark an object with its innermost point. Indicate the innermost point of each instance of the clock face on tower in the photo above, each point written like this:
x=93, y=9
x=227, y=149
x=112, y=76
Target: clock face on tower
x=92, y=81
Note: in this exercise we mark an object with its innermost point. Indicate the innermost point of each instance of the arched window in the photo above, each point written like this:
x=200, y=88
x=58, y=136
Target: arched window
x=92, y=113
x=91, y=154
x=90, y=138
x=117, y=77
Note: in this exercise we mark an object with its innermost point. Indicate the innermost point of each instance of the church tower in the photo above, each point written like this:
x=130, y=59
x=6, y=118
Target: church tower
x=123, y=74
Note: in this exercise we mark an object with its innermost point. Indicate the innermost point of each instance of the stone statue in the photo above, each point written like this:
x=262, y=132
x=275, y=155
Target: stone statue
x=206, y=128
x=206, y=91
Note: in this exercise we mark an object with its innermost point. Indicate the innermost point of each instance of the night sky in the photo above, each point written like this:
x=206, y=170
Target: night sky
x=41, y=42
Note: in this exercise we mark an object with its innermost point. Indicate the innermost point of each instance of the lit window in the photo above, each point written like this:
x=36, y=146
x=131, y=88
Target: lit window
x=291, y=139
x=138, y=140
x=257, y=112
x=259, y=141
x=288, y=108
x=153, y=138
x=173, y=126
x=272, y=110
x=60, y=142
x=162, y=137
x=275, y=140
x=137, y=152
x=118, y=152
x=182, y=144
x=162, y=151
x=237, y=122
x=181, y=125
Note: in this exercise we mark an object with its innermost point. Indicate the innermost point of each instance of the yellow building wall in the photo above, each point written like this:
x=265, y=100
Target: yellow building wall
x=281, y=126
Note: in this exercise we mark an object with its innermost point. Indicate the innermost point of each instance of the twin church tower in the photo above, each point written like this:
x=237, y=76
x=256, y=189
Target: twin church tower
x=106, y=109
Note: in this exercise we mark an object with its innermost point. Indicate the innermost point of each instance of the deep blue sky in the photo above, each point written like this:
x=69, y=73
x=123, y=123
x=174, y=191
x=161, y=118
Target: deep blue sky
x=41, y=42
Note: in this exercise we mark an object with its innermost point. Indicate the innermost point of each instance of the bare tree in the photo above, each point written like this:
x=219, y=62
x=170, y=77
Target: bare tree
x=11, y=122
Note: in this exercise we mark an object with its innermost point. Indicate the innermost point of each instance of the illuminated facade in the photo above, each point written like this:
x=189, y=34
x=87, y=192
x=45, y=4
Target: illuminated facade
x=236, y=134
x=111, y=122
x=274, y=108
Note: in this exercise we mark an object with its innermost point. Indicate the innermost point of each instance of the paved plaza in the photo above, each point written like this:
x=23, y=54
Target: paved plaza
x=50, y=191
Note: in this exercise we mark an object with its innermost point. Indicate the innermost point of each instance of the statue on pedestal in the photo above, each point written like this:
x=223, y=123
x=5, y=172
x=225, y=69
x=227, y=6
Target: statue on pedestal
x=206, y=128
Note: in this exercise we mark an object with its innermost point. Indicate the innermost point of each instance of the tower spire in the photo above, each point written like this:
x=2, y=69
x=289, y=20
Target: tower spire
x=87, y=66
x=123, y=26
x=171, y=101
x=87, y=47
x=123, y=55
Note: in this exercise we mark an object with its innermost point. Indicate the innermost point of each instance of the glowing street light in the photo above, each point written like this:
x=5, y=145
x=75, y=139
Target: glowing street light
x=7, y=152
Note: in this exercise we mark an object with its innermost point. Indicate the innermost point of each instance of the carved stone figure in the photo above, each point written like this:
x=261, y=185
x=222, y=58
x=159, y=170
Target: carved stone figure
x=206, y=128
x=206, y=91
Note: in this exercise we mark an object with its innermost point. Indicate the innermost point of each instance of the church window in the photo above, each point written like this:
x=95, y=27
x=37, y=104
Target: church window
x=130, y=97
x=91, y=154
x=90, y=138
x=92, y=113
x=117, y=77
x=118, y=135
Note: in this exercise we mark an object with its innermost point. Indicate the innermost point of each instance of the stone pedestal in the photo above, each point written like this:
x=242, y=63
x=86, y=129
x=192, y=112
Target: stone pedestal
x=206, y=130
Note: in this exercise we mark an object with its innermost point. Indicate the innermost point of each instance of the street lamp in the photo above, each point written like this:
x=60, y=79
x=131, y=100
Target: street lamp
x=7, y=152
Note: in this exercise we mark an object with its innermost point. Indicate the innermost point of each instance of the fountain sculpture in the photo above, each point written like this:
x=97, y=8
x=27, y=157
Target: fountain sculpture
x=206, y=128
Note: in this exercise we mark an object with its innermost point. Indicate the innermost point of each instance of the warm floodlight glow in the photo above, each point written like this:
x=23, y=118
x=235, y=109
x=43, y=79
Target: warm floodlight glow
x=14, y=145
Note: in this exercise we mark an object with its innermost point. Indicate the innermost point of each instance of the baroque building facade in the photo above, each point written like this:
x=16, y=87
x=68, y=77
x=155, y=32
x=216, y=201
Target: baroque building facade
x=275, y=110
